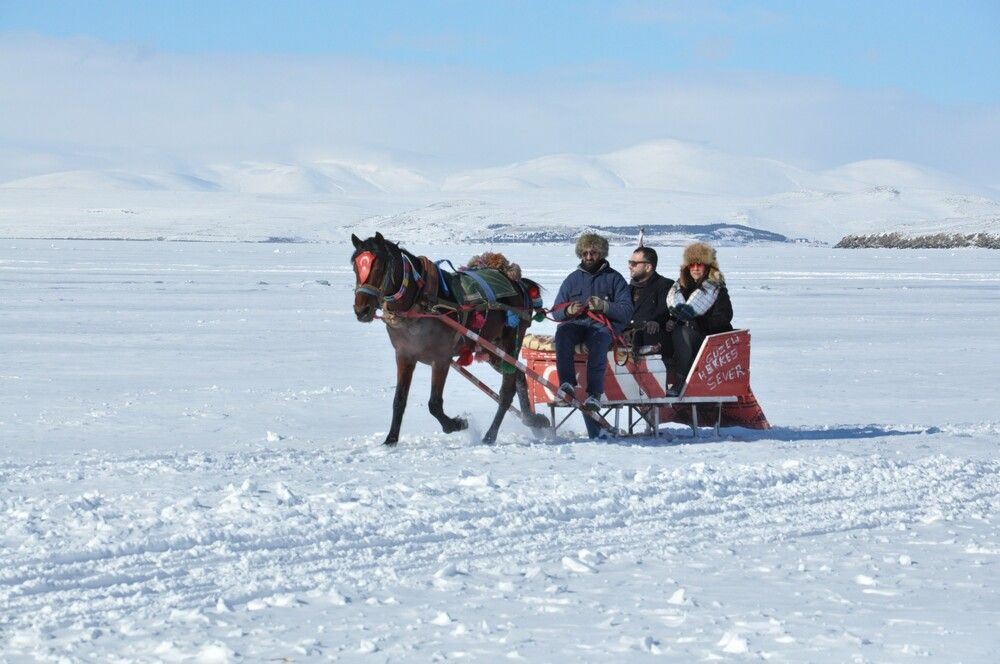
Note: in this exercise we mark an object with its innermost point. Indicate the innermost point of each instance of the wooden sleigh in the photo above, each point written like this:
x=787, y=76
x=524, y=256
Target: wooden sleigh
x=716, y=391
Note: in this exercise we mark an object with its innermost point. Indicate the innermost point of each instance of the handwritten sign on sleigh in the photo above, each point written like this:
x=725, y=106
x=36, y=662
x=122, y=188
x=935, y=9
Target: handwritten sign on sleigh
x=722, y=368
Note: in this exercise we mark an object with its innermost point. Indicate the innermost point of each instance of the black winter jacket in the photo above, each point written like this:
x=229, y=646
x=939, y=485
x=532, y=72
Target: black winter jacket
x=650, y=300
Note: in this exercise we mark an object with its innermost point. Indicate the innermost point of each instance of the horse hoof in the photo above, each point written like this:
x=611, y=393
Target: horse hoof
x=489, y=440
x=537, y=421
x=456, y=424
x=390, y=442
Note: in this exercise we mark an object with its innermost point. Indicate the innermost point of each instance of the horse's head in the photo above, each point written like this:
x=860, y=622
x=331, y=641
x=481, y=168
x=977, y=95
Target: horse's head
x=373, y=262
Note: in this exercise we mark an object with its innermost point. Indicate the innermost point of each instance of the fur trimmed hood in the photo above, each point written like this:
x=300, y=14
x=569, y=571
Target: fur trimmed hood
x=700, y=252
x=591, y=241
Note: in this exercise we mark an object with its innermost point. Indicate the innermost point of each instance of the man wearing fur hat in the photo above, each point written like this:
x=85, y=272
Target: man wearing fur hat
x=699, y=305
x=597, y=288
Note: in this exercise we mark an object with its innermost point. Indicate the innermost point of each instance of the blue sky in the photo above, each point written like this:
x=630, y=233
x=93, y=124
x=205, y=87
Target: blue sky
x=948, y=52
x=443, y=85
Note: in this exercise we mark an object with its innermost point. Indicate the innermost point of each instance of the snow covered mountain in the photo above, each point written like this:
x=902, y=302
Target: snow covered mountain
x=112, y=180
x=664, y=183
x=321, y=177
x=667, y=165
x=897, y=174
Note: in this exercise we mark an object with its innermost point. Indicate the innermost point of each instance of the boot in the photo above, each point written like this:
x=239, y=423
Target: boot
x=566, y=393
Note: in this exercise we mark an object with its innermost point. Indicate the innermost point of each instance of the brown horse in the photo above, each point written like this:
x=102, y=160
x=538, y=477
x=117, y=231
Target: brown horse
x=387, y=279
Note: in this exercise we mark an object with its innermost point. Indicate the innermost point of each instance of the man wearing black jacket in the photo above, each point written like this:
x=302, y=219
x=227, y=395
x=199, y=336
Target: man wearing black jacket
x=649, y=301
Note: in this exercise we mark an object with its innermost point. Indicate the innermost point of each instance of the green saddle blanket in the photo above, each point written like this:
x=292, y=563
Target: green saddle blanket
x=477, y=287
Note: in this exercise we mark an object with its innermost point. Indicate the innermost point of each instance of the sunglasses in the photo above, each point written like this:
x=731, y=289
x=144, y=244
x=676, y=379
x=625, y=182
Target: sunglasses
x=634, y=263
x=701, y=265
x=590, y=252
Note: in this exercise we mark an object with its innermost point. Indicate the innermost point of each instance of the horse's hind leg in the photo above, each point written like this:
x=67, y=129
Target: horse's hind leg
x=533, y=420
x=507, y=388
x=404, y=374
x=439, y=373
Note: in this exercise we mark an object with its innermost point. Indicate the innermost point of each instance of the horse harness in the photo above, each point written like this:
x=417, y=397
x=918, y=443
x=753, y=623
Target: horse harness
x=429, y=287
x=364, y=263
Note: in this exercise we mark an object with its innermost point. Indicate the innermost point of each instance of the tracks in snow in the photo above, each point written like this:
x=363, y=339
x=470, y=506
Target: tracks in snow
x=130, y=536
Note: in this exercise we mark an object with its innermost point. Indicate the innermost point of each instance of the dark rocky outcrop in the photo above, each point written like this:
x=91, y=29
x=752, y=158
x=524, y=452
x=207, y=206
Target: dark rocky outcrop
x=932, y=241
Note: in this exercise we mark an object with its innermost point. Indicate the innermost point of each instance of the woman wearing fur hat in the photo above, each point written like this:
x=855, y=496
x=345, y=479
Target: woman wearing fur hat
x=699, y=305
x=597, y=287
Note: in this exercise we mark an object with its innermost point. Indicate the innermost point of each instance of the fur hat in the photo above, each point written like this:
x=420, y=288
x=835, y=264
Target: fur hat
x=701, y=252
x=591, y=241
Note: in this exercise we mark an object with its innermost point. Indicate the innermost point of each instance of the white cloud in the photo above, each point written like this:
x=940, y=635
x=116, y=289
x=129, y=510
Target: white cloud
x=78, y=103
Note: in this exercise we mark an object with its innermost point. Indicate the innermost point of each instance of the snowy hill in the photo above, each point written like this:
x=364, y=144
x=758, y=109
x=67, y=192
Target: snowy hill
x=265, y=178
x=112, y=181
x=368, y=175
x=679, y=166
x=321, y=177
x=554, y=172
x=667, y=165
x=897, y=175
x=666, y=184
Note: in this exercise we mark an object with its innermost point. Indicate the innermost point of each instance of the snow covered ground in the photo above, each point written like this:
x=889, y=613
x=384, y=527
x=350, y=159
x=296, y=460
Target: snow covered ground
x=191, y=471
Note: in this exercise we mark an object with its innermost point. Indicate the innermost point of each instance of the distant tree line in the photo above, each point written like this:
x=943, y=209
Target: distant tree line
x=935, y=241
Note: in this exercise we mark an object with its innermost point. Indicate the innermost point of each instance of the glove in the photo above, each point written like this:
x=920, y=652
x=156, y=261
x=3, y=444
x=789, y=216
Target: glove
x=669, y=325
x=652, y=327
x=597, y=304
x=574, y=308
x=683, y=312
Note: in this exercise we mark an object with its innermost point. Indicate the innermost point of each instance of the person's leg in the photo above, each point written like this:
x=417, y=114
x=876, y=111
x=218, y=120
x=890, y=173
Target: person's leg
x=567, y=337
x=598, y=344
x=666, y=350
x=686, y=342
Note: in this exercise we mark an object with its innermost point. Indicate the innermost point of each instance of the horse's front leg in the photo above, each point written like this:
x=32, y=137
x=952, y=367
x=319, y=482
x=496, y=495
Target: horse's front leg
x=404, y=375
x=439, y=373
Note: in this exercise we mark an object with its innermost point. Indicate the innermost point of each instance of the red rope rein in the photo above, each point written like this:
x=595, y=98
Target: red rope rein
x=617, y=340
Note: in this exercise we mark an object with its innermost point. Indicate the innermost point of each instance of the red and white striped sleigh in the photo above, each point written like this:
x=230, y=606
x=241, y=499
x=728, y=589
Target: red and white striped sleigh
x=716, y=393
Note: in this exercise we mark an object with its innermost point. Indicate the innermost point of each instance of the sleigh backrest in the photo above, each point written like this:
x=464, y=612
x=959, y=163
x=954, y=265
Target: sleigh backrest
x=722, y=366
